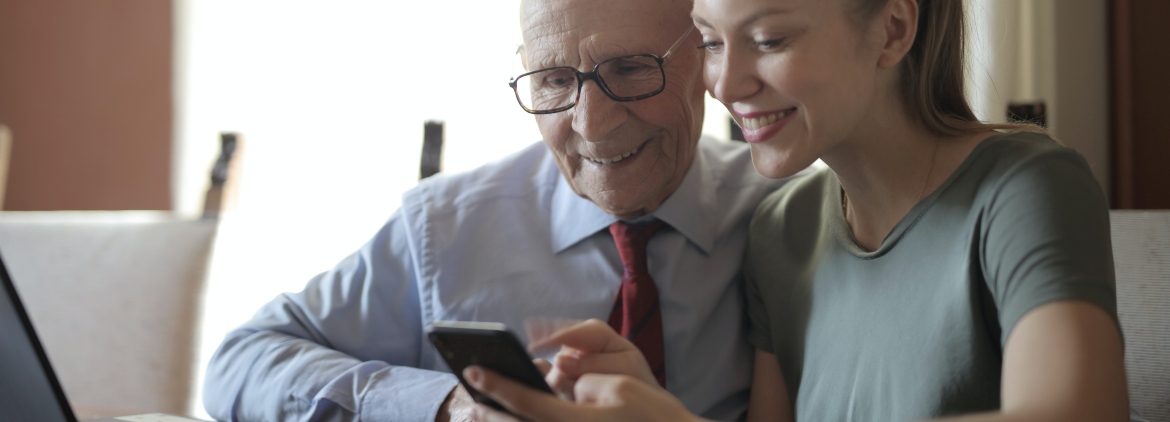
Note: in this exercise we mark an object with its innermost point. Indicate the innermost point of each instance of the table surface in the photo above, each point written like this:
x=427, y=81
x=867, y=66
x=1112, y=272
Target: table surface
x=86, y=411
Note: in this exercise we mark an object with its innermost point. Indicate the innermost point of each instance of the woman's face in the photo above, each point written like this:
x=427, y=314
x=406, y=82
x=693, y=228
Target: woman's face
x=799, y=76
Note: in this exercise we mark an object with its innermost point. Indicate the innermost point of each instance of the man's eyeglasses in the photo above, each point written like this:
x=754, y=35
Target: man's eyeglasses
x=626, y=78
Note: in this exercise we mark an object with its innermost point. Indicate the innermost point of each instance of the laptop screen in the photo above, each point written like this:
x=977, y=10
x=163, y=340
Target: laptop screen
x=28, y=388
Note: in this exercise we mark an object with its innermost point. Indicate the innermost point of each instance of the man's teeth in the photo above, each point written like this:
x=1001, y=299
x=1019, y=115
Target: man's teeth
x=613, y=159
x=753, y=123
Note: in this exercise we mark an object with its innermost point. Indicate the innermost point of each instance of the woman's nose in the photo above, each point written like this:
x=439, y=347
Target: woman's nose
x=730, y=77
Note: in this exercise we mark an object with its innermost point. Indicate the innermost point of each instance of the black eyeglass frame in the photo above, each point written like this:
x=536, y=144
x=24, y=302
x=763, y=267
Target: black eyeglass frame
x=594, y=76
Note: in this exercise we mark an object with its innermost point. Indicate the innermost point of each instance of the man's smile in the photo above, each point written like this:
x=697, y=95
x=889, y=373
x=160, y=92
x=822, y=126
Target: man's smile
x=614, y=159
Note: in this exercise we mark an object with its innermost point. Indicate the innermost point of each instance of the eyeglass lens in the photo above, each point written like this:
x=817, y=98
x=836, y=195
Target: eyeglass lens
x=624, y=77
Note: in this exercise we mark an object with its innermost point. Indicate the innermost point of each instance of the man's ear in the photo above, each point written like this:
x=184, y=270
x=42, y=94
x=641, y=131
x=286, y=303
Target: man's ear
x=523, y=57
x=901, y=27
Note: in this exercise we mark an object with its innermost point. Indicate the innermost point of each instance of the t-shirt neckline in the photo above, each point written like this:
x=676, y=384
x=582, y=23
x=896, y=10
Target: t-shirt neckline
x=845, y=235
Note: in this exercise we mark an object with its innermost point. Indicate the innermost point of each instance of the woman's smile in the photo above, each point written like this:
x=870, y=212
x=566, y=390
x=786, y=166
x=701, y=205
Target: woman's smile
x=763, y=125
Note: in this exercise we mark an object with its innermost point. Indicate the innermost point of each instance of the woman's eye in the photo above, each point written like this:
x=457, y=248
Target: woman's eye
x=711, y=46
x=770, y=44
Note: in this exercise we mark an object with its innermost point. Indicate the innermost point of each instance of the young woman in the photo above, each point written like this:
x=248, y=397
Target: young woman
x=939, y=267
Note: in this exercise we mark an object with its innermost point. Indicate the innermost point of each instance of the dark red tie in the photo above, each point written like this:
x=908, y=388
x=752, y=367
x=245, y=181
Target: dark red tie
x=636, y=314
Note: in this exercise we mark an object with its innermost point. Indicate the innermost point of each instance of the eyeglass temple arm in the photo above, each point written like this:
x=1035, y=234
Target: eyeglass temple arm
x=676, y=43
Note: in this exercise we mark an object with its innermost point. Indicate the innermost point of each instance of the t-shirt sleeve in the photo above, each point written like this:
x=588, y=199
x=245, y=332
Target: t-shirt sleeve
x=758, y=333
x=1046, y=238
x=758, y=328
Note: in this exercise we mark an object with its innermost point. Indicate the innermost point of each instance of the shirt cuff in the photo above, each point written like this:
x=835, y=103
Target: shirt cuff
x=402, y=393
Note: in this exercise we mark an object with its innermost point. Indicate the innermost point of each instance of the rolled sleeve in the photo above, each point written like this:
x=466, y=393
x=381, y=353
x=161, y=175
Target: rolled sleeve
x=403, y=393
x=345, y=348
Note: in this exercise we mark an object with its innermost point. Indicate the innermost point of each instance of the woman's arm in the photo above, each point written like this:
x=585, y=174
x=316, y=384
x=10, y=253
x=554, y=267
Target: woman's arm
x=1062, y=362
x=769, y=400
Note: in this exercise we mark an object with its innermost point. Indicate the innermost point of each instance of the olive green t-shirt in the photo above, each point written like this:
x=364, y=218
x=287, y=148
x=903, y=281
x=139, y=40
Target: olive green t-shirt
x=916, y=328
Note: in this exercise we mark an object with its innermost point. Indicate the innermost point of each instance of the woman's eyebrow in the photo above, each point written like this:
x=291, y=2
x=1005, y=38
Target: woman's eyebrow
x=745, y=21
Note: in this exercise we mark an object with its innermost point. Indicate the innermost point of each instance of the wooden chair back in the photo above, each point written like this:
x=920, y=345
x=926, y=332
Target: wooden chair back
x=5, y=154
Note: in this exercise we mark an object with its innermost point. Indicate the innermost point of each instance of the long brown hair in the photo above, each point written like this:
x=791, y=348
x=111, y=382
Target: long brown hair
x=933, y=86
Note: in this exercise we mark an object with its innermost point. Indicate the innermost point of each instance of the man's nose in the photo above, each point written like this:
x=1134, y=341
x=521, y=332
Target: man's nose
x=596, y=115
x=734, y=77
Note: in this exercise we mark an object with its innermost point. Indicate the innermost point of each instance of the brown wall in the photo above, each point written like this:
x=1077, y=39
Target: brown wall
x=1141, y=148
x=85, y=87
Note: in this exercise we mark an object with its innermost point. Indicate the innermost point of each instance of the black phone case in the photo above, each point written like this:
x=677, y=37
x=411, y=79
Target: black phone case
x=494, y=349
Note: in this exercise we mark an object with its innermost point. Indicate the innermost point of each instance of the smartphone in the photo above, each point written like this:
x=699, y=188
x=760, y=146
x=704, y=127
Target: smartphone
x=487, y=344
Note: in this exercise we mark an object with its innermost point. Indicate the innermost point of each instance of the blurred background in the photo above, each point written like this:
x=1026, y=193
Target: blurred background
x=119, y=105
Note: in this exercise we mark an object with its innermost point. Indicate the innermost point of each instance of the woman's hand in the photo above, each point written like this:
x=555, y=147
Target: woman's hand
x=598, y=398
x=592, y=347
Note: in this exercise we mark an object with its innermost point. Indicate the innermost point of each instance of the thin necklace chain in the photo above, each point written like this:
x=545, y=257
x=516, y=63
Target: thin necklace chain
x=921, y=192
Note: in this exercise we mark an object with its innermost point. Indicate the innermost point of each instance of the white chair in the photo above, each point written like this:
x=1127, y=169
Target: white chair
x=114, y=297
x=1141, y=253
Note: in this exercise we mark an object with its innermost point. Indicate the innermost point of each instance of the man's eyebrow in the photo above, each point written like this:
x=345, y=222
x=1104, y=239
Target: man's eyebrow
x=745, y=21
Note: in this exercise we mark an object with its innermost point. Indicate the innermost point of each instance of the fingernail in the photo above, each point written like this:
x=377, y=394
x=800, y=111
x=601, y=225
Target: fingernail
x=472, y=374
x=569, y=362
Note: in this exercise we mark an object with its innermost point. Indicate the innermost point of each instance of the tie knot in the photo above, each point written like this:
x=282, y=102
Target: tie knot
x=631, y=241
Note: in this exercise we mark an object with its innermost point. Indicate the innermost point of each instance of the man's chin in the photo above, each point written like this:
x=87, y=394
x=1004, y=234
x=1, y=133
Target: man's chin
x=626, y=194
x=625, y=206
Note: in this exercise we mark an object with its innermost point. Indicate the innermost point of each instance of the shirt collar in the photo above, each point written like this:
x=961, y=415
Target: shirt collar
x=690, y=210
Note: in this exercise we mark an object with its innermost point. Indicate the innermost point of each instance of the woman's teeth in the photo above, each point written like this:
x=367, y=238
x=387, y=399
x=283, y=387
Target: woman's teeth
x=613, y=159
x=753, y=123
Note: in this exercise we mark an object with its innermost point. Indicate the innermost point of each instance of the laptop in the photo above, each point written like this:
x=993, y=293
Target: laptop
x=29, y=390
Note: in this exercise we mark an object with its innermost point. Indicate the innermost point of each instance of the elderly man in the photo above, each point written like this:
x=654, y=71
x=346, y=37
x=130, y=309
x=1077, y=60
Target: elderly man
x=623, y=214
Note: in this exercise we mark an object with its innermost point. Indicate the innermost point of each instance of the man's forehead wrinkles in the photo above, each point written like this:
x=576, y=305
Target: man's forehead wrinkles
x=584, y=54
x=548, y=58
x=548, y=49
x=595, y=49
x=583, y=33
x=585, y=47
x=542, y=18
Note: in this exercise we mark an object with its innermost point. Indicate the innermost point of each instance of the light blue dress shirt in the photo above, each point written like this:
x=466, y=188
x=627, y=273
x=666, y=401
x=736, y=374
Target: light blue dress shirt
x=504, y=243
